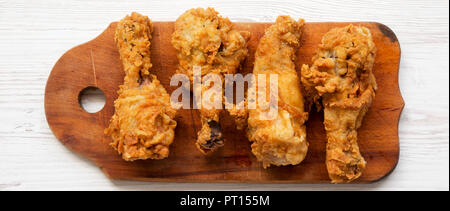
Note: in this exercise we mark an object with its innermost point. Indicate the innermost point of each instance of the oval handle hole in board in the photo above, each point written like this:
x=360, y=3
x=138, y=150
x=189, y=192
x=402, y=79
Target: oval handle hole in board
x=91, y=99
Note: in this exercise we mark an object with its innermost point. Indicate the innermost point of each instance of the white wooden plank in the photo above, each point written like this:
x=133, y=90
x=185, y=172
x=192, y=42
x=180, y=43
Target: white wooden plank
x=34, y=34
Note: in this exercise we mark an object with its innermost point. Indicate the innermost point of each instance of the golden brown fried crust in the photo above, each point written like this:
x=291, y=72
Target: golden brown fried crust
x=342, y=76
x=205, y=39
x=142, y=126
x=281, y=141
x=239, y=113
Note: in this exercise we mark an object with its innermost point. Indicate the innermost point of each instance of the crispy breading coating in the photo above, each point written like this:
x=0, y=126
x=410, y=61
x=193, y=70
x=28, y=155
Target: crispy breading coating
x=142, y=126
x=282, y=140
x=341, y=75
x=204, y=39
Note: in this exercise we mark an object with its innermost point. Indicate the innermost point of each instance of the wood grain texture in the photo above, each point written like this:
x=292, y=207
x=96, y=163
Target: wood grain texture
x=34, y=35
x=97, y=64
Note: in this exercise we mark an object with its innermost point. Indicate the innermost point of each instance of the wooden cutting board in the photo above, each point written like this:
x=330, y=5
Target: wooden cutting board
x=96, y=63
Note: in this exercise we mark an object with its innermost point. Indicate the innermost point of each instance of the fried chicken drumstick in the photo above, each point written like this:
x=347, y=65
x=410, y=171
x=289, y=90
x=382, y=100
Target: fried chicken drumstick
x=341, y=75
x=142, y=126
x=204, y=39
x=281, y=140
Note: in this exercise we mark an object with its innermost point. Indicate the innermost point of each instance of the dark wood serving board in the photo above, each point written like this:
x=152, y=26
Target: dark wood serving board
x=96, y=63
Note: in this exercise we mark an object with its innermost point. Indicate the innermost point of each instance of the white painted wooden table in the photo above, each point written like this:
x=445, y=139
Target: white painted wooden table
x=34, y=34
